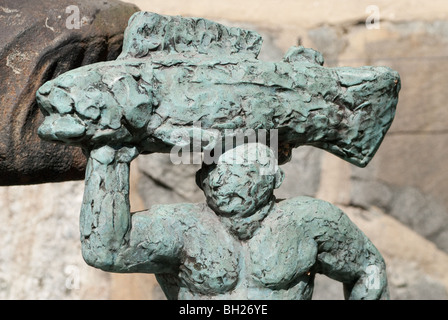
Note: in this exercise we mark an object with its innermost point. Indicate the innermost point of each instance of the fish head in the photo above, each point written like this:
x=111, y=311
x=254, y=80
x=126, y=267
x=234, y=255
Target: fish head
x=99, y=104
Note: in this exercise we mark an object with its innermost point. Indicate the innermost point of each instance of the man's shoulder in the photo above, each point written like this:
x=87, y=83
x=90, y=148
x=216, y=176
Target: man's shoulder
x=304, y=201
x=304, y=206
x=176, y=208
x=171, y=212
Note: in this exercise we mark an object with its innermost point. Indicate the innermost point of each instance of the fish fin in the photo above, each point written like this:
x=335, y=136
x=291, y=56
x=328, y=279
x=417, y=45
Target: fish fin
x=148, y=33
x=300, y=53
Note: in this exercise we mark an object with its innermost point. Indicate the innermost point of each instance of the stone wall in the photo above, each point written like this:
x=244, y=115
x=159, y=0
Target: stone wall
x=399, y=200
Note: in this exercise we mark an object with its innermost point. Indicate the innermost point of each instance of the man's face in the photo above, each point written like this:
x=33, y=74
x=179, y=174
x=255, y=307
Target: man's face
x=236, y=189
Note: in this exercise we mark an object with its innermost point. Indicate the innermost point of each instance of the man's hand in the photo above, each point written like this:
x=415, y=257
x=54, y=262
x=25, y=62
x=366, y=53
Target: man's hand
x=107, y=154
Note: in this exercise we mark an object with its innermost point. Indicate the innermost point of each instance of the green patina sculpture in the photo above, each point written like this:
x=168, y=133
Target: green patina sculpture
x=176, y=72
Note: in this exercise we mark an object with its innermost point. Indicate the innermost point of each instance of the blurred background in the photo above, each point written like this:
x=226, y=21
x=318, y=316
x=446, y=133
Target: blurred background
x=399, y=200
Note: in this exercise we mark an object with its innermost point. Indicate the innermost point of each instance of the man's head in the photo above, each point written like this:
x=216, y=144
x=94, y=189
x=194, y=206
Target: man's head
x=242, y=181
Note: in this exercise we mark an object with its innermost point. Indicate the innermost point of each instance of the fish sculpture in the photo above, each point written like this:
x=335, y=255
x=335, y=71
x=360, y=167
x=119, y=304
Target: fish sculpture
x=176, y=72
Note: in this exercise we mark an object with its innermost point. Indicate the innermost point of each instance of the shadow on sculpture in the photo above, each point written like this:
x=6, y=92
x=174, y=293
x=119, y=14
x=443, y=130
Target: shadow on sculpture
x=177, y=72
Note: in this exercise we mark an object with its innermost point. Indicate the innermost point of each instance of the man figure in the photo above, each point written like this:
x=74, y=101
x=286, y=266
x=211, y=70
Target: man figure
x=241, y=244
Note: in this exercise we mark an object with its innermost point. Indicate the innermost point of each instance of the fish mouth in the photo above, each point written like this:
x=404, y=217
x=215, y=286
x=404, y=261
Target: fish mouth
x=60, y=123
x=66, y=128
x=52, y=98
